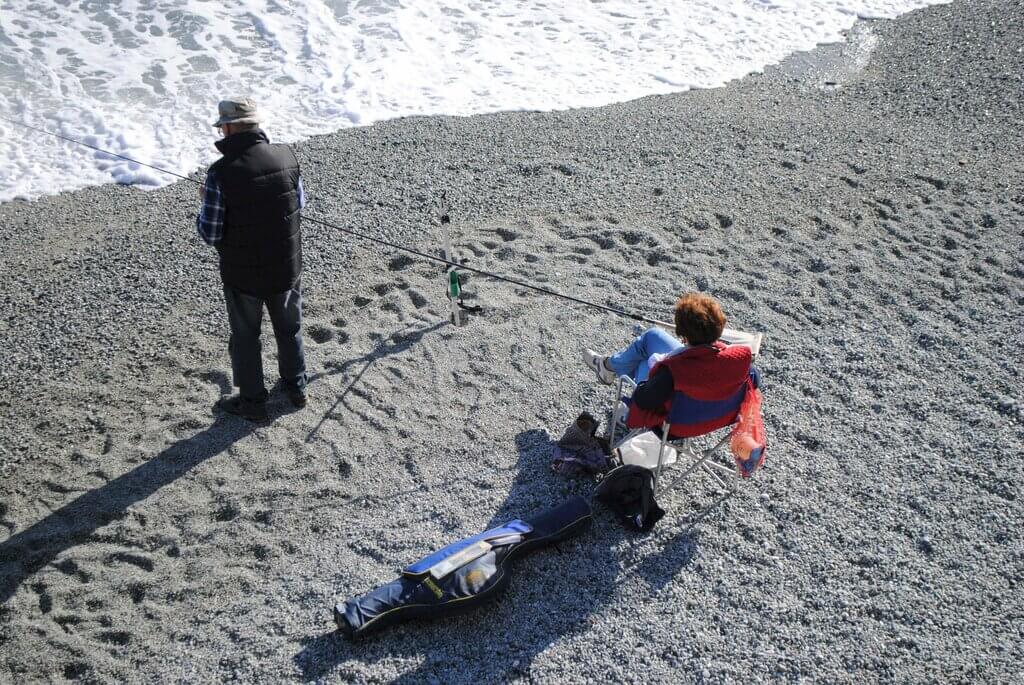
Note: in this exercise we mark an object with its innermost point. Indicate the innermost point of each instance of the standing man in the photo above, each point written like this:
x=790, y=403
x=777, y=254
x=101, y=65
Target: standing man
x=251, y=213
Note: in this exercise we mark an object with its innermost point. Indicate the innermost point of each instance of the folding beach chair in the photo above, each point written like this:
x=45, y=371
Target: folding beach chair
x=702, y=453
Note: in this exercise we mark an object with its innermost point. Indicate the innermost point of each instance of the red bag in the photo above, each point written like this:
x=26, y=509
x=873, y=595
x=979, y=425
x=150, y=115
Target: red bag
x=747, y=442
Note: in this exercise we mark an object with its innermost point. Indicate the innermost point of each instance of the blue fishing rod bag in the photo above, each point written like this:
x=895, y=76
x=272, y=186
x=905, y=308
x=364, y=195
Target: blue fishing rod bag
x=463, y=575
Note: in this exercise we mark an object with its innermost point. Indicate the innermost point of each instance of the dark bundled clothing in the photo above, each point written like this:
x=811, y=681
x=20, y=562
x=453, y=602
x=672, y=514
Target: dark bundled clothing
x=629, y=492
x=261, y=249
x=579, y=452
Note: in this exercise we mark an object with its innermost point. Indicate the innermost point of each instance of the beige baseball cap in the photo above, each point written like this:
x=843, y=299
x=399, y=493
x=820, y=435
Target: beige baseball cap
x=237, y=111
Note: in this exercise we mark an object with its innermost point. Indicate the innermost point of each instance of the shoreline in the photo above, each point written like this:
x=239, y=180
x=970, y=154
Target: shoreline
x=870, y=229
x=624, y=93
x=826, y=62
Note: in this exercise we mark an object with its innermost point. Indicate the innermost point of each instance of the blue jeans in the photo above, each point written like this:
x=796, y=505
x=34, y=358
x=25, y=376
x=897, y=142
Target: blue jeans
x=245, y=316
x=635, y=360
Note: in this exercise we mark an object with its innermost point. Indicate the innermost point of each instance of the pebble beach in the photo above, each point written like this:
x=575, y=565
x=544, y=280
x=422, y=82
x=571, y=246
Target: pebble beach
x=861, y=205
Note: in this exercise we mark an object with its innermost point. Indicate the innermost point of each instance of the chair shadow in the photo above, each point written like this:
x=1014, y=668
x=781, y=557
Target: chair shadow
x=658, y=567
x=388, y=346
x=555, y=597
x=74, y=523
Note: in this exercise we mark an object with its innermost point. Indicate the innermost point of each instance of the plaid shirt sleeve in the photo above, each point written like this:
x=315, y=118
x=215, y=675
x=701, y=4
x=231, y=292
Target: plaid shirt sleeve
x=210, y=222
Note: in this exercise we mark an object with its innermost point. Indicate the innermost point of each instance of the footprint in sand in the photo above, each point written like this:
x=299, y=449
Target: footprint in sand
x=69, y=568
x=400, y=262
x=68, y=622
x=136, y=560
x=417, y=298
x=76, y=670
x=632, y=237
x=657, y=258
x=505, y=254
x=320, y=334
x=3, y=519
x=937, y=183
x=227, y=511
x=115, y=637
x=137, y=592
x=217, y=379
x=45, y=599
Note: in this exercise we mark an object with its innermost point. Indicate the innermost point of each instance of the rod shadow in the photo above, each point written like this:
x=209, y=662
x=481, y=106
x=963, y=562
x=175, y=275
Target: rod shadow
x=393, y=344
x=27, y=551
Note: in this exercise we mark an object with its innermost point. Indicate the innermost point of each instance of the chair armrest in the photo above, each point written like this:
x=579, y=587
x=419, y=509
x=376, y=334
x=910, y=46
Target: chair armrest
x=735, y=337
x=625, y=382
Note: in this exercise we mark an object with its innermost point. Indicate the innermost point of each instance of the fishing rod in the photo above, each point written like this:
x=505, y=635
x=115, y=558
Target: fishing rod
x=374, y=239
x=93, y=147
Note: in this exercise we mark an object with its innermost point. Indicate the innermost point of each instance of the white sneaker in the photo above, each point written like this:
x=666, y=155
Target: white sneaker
x=599, y=364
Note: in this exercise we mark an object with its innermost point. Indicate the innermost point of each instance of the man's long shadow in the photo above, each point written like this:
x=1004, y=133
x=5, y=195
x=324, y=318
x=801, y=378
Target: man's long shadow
x=74, y=523
x=555, y=597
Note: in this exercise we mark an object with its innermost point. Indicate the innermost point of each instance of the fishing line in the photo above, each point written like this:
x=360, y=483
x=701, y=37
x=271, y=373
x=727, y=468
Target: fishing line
x=98, y=149
x=374, y=239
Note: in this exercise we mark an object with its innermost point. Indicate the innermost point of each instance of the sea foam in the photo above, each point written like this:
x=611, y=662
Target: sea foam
x=141, y=78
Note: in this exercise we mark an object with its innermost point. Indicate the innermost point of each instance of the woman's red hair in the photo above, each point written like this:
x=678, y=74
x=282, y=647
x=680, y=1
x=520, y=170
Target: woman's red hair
x=699, y=319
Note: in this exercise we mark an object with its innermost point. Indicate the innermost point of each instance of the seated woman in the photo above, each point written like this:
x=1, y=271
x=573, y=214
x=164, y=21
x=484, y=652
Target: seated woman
x=700, y=379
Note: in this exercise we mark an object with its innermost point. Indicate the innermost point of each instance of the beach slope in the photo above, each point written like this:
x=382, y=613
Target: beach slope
x=862, y=206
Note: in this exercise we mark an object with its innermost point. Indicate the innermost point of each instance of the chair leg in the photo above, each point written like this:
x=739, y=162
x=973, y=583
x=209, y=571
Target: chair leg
x=706, y=468
x=700, y=459
x=661, y=456
x=617, y=406
x=690, y=469
x=711, y=467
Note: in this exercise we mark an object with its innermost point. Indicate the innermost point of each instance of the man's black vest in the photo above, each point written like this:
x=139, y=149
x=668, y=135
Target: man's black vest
x=261, y=251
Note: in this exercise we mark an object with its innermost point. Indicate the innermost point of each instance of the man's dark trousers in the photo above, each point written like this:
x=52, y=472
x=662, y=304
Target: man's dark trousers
x=245, y=315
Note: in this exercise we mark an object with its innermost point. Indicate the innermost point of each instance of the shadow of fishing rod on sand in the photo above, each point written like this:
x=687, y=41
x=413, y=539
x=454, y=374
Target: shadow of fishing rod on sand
x=26, y=552
x=393, y=344
x=554, y=593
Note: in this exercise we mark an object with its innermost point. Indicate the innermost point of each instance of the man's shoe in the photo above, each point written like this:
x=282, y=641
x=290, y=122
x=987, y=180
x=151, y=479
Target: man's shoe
x=247, y=409
x=297, y=396
x=600, y=366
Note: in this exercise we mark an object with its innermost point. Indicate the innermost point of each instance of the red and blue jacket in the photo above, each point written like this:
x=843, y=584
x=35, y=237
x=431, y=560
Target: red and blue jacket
x=708, y=385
